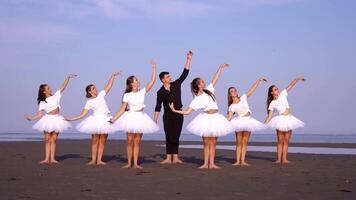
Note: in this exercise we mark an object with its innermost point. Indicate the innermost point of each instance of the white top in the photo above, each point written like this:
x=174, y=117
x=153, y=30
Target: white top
x=135, y=100
x=241, y=108
x=51, y=102
x=98, y=104
x=204, y=101
x=281, y=103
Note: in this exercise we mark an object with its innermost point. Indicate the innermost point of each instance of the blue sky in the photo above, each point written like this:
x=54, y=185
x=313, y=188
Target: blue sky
x=43, y=40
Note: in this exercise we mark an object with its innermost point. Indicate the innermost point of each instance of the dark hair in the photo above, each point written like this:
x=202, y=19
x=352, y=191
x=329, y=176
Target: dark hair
x=162, y=74
x=41, y=94
x=129, y=81
x=269, y=96
x=87, y=90
x=195, y=89
x=229, y=98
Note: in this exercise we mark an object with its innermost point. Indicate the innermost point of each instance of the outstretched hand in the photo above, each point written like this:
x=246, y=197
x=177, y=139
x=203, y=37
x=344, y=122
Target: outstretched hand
x=302, y=78
x=28, y=117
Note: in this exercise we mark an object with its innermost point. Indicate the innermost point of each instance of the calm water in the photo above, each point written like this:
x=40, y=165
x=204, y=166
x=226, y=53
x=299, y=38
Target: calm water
x=297, y=138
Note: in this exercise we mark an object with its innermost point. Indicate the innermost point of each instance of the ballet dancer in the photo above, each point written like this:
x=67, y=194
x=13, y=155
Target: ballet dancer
x=96, y=124
x=244, y=124
x=209, y=124
x=172, y=122
x=131, y=119
x=285, y=122
x=51, y=122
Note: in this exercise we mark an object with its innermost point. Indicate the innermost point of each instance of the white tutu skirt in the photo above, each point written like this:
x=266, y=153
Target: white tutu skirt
x=210, y=125
x=52, y=123
x=247, y=123
x=135, y=122
x=96, y=124
x=285, y=123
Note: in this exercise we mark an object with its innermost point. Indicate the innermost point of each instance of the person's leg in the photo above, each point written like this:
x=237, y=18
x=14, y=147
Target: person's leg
x=287, y=136
x=47, y=148
x=280, y=140
x=129, y=148
x=206, y=142
x=238, y=147
x=166, y=125
x=136, y=149
x=213, y=142
x=53, y=140
x=94, y=148
x=102, y=140
x=245, y=139
x=176, y=136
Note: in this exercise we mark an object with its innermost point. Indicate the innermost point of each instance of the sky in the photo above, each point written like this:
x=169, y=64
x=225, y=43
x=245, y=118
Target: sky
x=43, y=40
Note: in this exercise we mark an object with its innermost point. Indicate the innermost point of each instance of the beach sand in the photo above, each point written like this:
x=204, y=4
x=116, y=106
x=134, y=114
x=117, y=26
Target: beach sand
x=310, y=176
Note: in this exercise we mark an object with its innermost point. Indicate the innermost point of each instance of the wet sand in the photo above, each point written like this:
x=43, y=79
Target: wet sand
x=311, y=176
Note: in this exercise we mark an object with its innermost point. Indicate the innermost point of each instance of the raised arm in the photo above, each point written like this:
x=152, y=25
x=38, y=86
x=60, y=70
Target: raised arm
x=111, y=81
x=80, y=116
x=254, y=86
x=218, y=73
x=153, y=77
x=66, y=81
x=295, y=81
x=185, y=73
x=119, y=113
x=182, y=112
x=269, y=117
x=37, y=116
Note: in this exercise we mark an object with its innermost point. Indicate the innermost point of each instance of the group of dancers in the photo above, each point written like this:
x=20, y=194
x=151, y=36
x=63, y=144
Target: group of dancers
x=132, y=119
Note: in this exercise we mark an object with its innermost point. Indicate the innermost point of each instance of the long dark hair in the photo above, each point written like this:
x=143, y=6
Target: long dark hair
x=87, y=90
x=269, y=96
x=129, y=82
x=229, y=97
x=41, y=95
x=195, y=88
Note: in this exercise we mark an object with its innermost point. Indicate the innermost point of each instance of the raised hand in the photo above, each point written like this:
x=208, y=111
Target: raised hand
x=263, y=79
x=115, y=74
x=302, y=78
x=224, y=65
x=189, y=55
x=71, y=76
x=153, y=63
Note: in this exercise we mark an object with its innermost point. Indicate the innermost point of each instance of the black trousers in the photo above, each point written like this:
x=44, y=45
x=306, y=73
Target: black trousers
x=172, y=123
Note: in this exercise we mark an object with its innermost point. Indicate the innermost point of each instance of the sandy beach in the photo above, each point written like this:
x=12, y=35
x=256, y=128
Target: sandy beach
x=311, y=176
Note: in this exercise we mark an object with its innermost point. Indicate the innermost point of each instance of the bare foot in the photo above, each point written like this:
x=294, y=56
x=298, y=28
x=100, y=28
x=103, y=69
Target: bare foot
x=93, y=162
x=44, y=162
x=138, y=167
x=245, y=163
x=205, y=166
x=166, y=161
x=286, y=162
x=213, y=166
x=236, y=164
x=177, y=161
x=127, y=166
x=55, y=161
x=101, y=163
x=278, y=162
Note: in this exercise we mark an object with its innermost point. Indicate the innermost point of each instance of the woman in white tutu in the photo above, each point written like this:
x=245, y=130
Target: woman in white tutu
x=244, y=124
x=96, y=124
x=285, y=122
x=51, y=122
x=131, y=119
x=209, y=124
